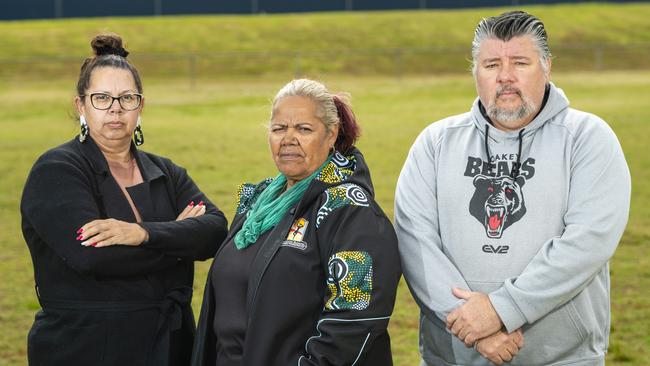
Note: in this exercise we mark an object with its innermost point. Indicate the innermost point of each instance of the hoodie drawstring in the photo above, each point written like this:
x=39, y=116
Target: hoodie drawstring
x=515, y=169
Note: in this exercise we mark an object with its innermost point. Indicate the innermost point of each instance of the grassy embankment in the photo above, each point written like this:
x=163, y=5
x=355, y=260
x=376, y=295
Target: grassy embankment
x=216, y=130
x=404, y=42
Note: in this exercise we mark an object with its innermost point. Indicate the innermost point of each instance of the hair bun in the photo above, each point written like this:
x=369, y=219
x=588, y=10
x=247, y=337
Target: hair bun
x=108, y=44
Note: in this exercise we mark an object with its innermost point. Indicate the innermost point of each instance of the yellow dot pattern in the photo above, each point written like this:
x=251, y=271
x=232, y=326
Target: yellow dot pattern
x=350, y=283
x=247, y=193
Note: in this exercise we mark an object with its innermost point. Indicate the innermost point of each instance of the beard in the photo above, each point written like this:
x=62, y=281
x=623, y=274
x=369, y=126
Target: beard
x=504, y=115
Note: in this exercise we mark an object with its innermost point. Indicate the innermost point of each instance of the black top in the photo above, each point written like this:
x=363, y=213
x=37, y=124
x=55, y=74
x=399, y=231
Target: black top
x=230, y=278
x=321, y=289
x=118, y=304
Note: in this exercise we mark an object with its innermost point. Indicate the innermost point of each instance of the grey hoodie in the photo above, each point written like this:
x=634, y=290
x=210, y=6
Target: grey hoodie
x=538, y=241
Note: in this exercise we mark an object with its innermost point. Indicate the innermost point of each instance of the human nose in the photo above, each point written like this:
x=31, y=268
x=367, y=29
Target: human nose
x=115, y=106
x=505, y=74
x=289, y=136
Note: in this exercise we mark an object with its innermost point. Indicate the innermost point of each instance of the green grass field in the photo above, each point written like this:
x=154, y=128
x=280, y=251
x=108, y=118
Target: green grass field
x=217, y=129
x=218, y=134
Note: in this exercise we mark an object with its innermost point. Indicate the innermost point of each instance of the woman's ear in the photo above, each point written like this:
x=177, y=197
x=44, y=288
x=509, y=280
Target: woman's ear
x=333, y=135
x=79, y=106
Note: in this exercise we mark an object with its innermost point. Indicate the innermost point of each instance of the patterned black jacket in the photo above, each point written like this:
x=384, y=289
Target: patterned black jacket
x=322, y=286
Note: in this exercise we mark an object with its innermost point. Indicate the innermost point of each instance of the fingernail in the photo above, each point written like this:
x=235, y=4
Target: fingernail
x=201, y=203
x=191, y=203
x=80, y=231
x=80, y=237
x=93, y=244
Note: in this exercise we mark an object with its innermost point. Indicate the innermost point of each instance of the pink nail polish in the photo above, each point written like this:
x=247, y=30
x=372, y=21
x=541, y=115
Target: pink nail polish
x=80, y=231
x=201, y=203
x=80, y=237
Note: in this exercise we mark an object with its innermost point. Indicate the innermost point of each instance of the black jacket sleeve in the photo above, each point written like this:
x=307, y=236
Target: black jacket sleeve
x=58, y=200
x=196, y=238
x=363, y=271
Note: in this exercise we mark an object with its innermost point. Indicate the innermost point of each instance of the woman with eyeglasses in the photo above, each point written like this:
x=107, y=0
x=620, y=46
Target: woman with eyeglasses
x=114, y=232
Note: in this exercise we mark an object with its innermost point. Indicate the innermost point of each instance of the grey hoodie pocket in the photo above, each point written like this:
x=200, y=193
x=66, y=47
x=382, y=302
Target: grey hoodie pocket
x=560, y=335
x=435, y=341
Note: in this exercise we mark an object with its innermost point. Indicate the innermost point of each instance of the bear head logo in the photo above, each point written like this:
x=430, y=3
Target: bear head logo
x=497, y=203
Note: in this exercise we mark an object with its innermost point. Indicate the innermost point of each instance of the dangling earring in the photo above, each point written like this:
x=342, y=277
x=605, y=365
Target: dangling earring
x=332, y=150
x=84, y=129
x=138, y=136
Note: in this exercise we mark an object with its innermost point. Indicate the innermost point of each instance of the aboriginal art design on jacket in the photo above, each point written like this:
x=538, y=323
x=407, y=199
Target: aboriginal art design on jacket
x=339, y=196
x=338, y=169
x=247, y=193
x=349, y=280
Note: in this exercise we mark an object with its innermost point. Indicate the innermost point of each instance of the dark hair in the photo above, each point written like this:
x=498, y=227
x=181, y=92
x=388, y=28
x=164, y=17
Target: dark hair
x=109, y=52
x=509, y=25
x=349, y=130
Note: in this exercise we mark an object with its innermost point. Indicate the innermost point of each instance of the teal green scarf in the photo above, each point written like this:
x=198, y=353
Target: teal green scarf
x=270, y=207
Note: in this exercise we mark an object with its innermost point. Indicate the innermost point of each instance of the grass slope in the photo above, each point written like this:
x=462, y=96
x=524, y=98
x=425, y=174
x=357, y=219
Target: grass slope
x=216, y=130
x=217, y=133
x=354, y=42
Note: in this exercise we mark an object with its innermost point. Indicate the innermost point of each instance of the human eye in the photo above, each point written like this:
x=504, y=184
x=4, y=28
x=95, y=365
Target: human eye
x=128, y=97
x=521, y=62
x=304, y=128
x=100, y=97
x=278, y=128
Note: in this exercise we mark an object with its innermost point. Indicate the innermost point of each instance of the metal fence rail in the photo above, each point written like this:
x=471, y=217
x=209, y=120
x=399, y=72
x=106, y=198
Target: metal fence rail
x=386, y=61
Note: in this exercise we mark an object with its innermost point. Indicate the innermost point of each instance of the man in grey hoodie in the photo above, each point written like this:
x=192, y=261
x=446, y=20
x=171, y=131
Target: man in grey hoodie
x=507, y=215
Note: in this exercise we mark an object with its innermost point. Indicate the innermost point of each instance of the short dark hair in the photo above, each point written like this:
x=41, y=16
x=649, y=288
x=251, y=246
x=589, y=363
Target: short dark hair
x=109, y=52
x=510, y=25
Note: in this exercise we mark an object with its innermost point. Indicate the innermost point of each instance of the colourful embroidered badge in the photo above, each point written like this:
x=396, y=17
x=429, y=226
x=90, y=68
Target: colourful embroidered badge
x=297, y=231
x=349, y=280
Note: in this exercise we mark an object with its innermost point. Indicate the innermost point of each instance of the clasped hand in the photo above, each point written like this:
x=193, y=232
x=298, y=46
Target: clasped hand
x=107, y=232
x=476, y=323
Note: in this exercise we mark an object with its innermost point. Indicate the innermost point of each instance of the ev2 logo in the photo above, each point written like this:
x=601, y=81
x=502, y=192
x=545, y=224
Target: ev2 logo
x=499, y=249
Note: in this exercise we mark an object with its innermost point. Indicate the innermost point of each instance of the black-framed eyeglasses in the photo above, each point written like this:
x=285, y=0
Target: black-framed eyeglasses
x=104, y=101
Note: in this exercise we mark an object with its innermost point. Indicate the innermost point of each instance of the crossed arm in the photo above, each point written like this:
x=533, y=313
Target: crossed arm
x=107, y=232
x=58, y=202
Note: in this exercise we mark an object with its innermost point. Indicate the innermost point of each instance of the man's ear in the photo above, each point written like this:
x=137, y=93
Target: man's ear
x=549, y=64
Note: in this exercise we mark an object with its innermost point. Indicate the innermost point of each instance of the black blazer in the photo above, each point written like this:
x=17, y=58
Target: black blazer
x=118, y=305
